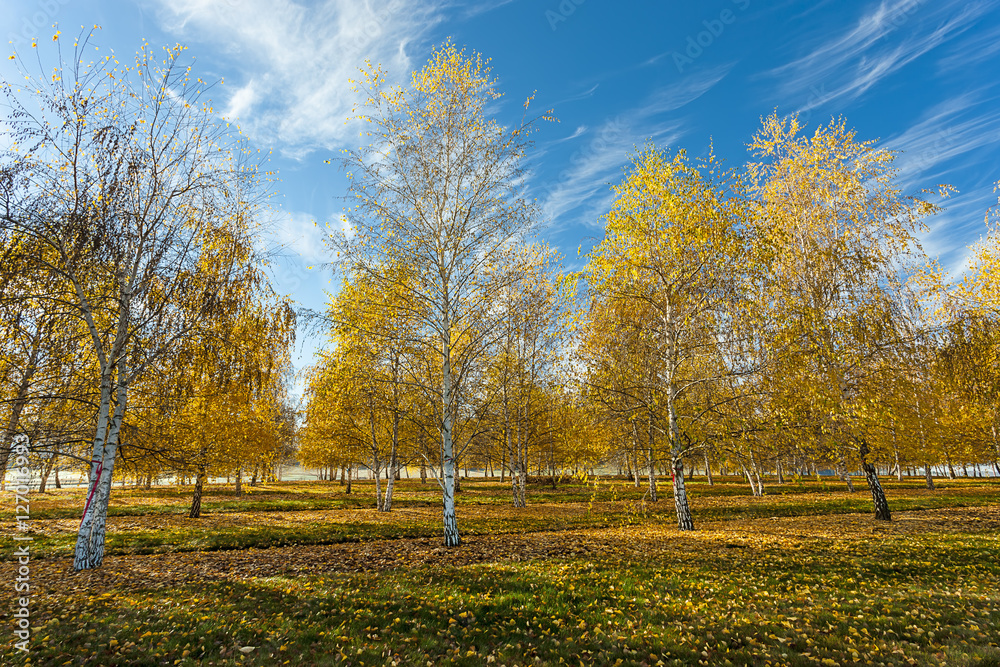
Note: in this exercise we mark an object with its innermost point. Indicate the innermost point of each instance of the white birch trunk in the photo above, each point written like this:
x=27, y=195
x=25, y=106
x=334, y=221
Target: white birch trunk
x=746, y=473
x=652, y=461
x=451, y=535
x=683, y=509
x=376, y=466
x=393, y=466
x=89, y=552
x=878, y=493
x=895, y=449
x=684, y=519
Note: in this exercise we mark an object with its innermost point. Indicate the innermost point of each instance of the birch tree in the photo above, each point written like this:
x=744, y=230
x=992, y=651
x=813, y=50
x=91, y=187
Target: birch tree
x=670, y=265
x=524, y=368
x=438, y=190
x=122, y=175
x=842, y=232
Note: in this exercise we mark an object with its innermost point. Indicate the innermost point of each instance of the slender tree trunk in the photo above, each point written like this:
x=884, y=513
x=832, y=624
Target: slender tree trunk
x=56, y=479
x=928, y=476
x=451, y=534
x=871, y=476
x=947, y=460
x=652, y=481
x=20, y=401
x=377, y=476
x=89, y=552
x=845, y=475
x=393, y=466
x=756, y=472
x=199, y=486
x=350, y=471
x=781, y=476
x=84, y=553
x=895, y=451
x=683, y=509
x=47, y=471
x=754, y=489
x=996, y=448
x=652, y=457
x=390, y=483
x=503, y=462
x=635, y=463
x=708, y=471
x=515, y=456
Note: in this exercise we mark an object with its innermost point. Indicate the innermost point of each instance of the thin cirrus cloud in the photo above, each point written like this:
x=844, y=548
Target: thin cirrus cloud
x=882, y=41
x=972, y=52
x=952, y=235
x=950, y=137
x=295, y=235
x=580, y=193
x=948, y=130
x=294, y=62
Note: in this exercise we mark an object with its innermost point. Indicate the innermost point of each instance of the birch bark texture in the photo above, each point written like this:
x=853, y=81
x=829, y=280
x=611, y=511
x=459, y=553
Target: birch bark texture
x=439, y=192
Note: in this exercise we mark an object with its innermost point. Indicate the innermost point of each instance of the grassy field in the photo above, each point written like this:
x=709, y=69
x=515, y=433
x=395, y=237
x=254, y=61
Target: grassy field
x=304, y=574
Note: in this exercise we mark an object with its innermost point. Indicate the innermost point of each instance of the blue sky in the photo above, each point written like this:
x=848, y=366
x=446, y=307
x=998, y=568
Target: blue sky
x=916, y=75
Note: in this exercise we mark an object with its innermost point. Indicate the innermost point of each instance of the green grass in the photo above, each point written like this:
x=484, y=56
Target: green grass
x=927, y=599
x=321, y=513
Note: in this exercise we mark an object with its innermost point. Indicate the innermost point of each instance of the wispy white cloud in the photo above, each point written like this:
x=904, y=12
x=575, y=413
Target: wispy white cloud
x=952, y=234
x=299, y=235
x=294, y=61
x=885, y=39
x=483, y=6
x=948, y=138
x=973, y=51
x=582, y=188
x=578, y=132
x=578, y=96
x=944, y=132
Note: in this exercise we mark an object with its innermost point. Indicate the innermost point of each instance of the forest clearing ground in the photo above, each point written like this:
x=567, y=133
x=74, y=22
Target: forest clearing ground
x=630, y=542
x=286, y=514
